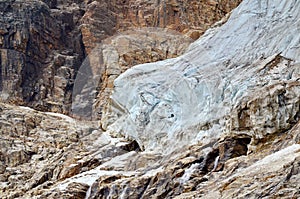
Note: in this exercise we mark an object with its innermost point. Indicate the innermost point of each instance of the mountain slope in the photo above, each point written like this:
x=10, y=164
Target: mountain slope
x=220, y=121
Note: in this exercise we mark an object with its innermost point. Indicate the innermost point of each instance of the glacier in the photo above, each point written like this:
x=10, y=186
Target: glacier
x=193, y=98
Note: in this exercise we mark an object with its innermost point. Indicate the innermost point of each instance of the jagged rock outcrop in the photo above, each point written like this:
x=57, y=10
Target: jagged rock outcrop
x=39, y=149
x=72, y=159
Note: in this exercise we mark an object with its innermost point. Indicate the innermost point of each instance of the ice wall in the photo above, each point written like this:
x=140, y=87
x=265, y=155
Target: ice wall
x=167, y=104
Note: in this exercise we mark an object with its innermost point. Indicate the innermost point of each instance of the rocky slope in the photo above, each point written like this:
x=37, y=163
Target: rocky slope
x=40, y=149
x=220, y=121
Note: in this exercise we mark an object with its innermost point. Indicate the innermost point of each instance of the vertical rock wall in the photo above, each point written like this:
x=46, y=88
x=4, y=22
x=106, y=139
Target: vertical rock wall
x=41, y=50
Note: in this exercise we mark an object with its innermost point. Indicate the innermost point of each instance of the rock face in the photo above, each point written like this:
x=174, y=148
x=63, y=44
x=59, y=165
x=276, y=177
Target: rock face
x=41, y=50
x=104, y=18
x=40, y=149
x=220, y=121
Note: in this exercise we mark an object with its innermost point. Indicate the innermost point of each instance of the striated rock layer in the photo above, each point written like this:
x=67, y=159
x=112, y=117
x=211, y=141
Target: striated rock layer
x=192, y=18
x=220, y=121
x=41, y=149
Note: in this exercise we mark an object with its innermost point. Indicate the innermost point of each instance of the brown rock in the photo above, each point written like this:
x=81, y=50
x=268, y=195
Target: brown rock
x=32, y=37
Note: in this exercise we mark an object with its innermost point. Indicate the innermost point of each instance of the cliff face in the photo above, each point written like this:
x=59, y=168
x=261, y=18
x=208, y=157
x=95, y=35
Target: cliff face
x=189, y=17
x=220, y=121
x=41, y=50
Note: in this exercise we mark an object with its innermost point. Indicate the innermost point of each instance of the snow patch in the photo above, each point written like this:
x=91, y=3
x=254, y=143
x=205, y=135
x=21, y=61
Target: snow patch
x=62, y=116
x=89, y=177
x=188, y=173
